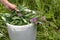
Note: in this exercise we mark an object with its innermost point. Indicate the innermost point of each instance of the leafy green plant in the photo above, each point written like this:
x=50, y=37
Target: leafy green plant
x=22, y=17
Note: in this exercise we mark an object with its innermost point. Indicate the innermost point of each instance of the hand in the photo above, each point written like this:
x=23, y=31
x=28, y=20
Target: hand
x=11, y=6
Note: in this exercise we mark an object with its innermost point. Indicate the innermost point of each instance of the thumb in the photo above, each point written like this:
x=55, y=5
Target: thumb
x=16, y=9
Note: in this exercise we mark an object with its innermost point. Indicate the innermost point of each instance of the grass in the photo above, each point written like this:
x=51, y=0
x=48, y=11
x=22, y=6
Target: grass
x=50, y=30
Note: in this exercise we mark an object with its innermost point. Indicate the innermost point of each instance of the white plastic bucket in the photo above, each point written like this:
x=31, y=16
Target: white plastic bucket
x=24, y=32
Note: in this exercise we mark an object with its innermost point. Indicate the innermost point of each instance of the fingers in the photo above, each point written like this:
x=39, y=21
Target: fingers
x=10, y=6
x=13, y=7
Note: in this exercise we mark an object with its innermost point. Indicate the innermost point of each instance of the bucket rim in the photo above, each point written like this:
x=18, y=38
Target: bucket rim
x=30, y=24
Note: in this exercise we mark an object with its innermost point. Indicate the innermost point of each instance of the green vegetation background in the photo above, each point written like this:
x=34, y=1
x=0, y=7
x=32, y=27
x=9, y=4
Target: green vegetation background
x=50, y=30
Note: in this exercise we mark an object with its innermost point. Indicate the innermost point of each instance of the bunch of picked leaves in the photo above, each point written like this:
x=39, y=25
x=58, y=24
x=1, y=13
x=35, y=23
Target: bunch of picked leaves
x=25, y=16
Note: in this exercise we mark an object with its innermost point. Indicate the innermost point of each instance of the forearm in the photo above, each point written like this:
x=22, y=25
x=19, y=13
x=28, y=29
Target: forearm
x=4, y=1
